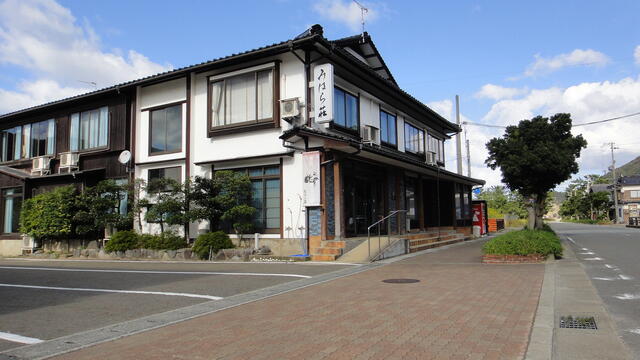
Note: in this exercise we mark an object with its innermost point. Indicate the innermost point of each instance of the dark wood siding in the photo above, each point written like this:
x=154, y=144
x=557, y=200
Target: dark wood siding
x=9, y=181
x=62, y=134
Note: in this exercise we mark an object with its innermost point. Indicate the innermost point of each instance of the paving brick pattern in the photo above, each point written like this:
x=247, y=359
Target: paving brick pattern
x=460, y=309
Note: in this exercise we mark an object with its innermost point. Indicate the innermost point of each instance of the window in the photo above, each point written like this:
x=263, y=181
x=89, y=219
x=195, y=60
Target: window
x=174, y=173
x=165, y=130
x=242, y=98
x=265, y=181
x=635, y=193
x=388, y=128
x=436, y=146
x=23, y=142
x=89, y=129
x=345, y=112
x=11, y=206
x=413, y=139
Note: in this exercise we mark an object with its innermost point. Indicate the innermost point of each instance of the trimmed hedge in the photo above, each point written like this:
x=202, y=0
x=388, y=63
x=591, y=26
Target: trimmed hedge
x=122, y=241
x=164, y=241
x=213, y=241
x=525, y=242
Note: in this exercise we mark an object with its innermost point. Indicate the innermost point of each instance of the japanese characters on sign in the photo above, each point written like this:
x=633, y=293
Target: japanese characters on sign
x=311, y=181
x=323, y=93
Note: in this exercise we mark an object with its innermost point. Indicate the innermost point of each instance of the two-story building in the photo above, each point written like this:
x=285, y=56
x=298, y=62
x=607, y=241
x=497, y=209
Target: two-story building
x=629, y=198
x=329, y=140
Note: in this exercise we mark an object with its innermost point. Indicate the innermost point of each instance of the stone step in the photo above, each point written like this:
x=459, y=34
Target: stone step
x=435, y=244
x=326, y=251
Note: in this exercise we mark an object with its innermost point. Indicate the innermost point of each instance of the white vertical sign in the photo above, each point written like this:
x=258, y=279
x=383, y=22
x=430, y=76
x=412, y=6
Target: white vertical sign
x=311, y=181
x=323, y=93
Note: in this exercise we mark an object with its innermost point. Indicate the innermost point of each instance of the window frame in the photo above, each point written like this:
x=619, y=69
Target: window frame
x=263, y=178
x=342, y=128
x=20, y=137
x=150, y=131
x=165, y=168
x=631, y=193
x=393, y=145
x=422, y=143
x=108, y=128
x=3, y=210
x=267, y=123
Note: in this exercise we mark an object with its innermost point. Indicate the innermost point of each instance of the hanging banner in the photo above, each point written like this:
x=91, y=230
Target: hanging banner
x=323, y=93
x=311, y=173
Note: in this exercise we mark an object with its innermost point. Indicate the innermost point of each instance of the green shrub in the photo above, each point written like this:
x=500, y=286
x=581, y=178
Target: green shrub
x=524, y=242
x=214, y=241
x=122, y=241
x=165, y=241
x=49, y=215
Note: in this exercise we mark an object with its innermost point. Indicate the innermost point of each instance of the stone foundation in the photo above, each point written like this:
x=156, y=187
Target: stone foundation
x=513, y=259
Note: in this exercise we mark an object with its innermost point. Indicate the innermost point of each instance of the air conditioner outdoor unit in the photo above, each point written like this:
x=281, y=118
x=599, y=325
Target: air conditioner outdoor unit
x=41, y=165
x=431, y=158
x=28, y=244
x=290, y=109
x=370, y=134
x=69, y=161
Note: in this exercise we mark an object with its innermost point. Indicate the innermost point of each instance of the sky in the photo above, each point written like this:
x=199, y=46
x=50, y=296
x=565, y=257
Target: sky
x=507, y=60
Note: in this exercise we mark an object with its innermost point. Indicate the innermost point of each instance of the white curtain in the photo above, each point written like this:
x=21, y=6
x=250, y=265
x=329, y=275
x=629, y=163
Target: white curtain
x=51, y=136
x=74, y=132
x=241, y=98
x=217, y=103
x=265, y=94
x=18, y=145
x=104, y=126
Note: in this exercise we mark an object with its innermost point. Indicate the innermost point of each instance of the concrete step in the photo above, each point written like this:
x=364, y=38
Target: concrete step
x=326, y=251
x=436, y=244
x=334, y=244
x=315, y=257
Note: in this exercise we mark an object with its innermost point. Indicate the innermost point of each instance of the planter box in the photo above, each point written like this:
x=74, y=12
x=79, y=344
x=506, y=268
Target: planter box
x=513, y=259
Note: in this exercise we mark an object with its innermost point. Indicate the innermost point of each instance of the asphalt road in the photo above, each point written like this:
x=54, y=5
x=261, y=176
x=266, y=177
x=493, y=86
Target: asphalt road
x=610, y=255
x=42, y=300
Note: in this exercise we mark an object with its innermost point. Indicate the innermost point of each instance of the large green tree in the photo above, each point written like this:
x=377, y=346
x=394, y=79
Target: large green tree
x=504, y=201
x=534, y=157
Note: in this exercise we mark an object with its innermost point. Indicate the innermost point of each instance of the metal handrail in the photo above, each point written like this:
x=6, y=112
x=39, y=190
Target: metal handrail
x=377, y=223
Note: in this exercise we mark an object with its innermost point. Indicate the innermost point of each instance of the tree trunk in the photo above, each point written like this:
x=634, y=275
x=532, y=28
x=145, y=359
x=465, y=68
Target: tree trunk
x=536, y=211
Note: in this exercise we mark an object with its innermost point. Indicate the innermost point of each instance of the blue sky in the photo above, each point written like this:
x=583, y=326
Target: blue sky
x=507, y=60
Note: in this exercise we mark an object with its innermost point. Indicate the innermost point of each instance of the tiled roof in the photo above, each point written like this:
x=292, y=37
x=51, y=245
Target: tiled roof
x=314, y=32
x=630, y=180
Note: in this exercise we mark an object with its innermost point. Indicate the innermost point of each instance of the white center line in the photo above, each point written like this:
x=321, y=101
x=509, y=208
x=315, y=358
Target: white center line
x=114, y=291
x=19, y=338
x=153, y=272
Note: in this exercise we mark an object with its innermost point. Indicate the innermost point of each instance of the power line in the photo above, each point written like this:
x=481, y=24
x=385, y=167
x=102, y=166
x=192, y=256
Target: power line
x=575, y=125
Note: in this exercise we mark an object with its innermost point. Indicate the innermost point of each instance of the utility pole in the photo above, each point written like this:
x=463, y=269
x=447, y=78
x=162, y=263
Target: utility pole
x=468, y=156
x=615, y=182
x=458, y=138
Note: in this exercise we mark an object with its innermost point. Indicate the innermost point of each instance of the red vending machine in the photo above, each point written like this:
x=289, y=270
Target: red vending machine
x=480, y=217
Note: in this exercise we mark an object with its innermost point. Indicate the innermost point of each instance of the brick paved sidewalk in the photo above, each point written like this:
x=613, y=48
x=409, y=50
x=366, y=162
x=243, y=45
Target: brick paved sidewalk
x=460, y=309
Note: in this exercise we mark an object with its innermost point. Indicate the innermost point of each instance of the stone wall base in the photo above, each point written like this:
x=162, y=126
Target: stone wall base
x=513, y=259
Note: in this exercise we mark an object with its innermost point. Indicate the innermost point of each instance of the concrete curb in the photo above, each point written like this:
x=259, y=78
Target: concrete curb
x=541, y=340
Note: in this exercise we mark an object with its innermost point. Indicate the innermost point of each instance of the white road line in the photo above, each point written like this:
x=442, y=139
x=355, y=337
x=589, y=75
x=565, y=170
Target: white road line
x=635, y=331
x=625, y=277
x=594, y=259
x=587, y=253
x=585, y=249
x=570, y=239
x=153, y=272
x=627, y=296
x=609, y=266
x=114, y=291
x=186, y=261
x=604, y=278
x=19, y=338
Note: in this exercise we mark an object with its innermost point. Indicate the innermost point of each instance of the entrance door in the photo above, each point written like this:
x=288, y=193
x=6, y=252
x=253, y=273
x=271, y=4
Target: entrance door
x=364, y=194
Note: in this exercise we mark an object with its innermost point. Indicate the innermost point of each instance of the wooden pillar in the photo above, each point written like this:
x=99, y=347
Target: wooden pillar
x=337, y=201
x=420, y=203
x=323, y=200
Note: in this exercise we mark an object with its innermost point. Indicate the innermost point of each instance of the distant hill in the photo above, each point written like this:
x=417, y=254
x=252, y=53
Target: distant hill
x=630, y=168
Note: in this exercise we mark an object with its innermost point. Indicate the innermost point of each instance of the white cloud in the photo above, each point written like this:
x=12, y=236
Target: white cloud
x=346, y=12
x=44, y=38
x=585, y=102
x=577, y=57
x=636, y=55
x=497, y=92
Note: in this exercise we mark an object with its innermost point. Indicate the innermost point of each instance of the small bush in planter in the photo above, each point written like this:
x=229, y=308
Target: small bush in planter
x=213, y=241
x=525, y=242
x=122, y=241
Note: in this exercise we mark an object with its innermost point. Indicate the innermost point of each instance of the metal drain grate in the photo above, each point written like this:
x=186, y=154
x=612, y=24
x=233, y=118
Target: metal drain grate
x=578, y=322
x=400, y=281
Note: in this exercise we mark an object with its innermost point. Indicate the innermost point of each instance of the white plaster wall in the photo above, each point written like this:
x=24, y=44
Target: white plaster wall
x=163, y=93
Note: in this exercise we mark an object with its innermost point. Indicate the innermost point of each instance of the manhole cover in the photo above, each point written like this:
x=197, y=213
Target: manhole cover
x=578, y=322
x=400, y=281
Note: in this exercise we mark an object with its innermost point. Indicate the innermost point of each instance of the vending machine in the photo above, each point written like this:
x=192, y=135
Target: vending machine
x=480, y=217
